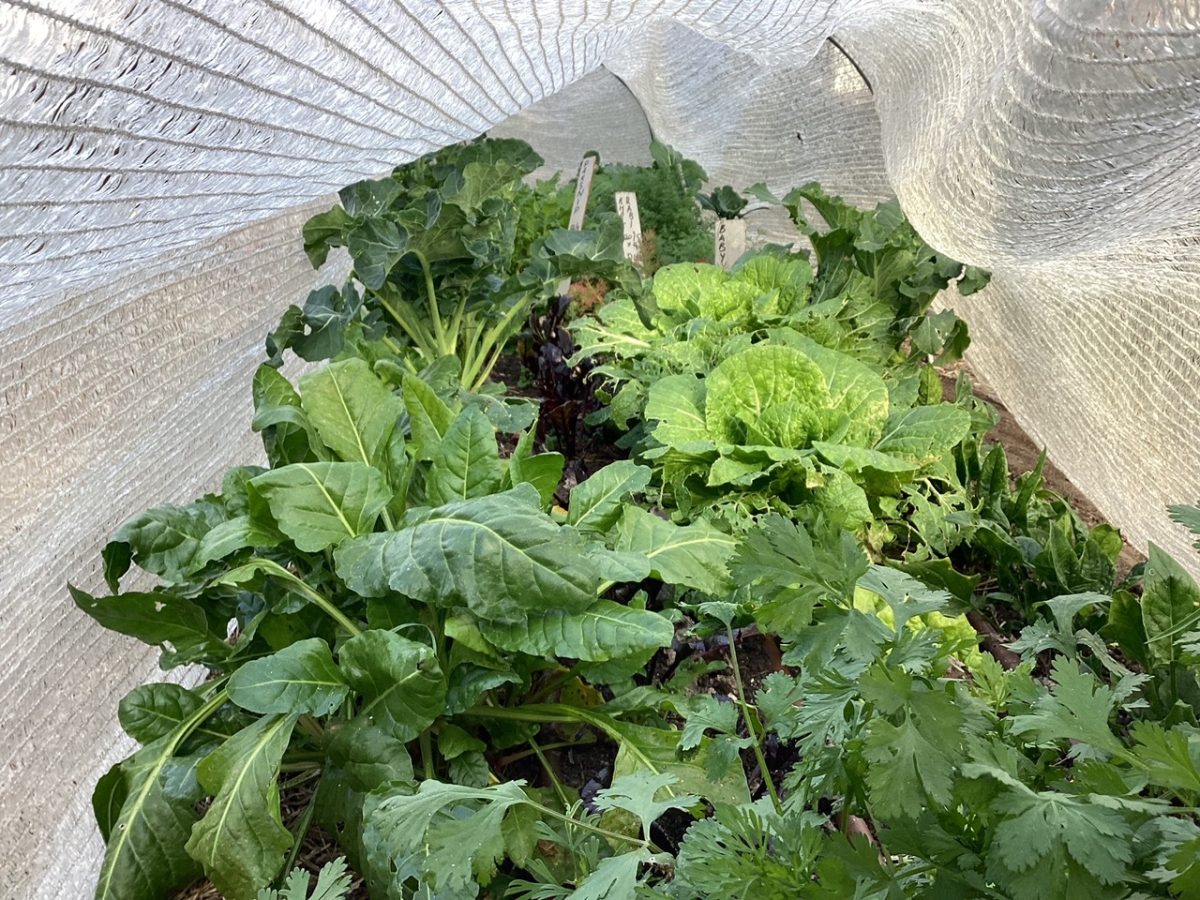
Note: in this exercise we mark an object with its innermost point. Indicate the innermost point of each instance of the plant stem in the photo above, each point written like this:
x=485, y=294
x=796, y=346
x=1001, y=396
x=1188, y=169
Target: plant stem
x=427, y=755
x=435, y=316
x=298, y=838
x=522, y=754
x=558, y=788
x=476, y=373
x=750, y=714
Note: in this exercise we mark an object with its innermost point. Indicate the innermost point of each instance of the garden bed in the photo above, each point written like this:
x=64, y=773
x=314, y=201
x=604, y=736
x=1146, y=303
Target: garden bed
x=697, y=581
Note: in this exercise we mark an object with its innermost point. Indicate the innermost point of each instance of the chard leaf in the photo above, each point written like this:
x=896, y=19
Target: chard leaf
x=604, y=631
x=428, y=415
x=164, y=540
x=1170, y=605
x=352, y=410
x=241, y=840
x=596, y=503
x=177, y=625
x=542, y=470
x=145, y=855
x=499, y=555
x=694, y=556
x=321, y=504
x=466, y=463
x=152, y=711
x=400, y=681
x=108, y=797
x=300, y=678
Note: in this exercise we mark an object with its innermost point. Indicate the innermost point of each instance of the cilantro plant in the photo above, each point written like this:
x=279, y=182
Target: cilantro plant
x=668, y=192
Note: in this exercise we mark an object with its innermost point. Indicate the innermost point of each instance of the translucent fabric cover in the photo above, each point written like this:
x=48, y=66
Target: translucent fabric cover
x=157, y=159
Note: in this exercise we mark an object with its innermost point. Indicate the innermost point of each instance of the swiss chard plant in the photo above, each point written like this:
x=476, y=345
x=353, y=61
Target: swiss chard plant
x=449, y=254
x=384, y=604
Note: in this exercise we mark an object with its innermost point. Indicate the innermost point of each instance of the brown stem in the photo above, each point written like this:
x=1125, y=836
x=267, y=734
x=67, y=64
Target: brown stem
x=993, y=641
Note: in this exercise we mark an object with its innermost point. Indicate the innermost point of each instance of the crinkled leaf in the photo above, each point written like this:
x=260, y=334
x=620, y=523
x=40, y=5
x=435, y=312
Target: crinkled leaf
x=499, y=555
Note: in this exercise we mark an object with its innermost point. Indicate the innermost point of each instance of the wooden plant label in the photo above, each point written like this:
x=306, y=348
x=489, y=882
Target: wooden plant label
x=583, y=190
x=730, y=242
x=627, y=209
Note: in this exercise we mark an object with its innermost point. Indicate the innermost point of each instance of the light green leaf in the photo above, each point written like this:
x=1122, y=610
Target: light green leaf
x=854, y=388
x=656, y=751
x=241, y=840
x=466, y=463
x=352, y=411
x=756, y=386
x=604, y=631
x=676, y=403
x=499, y=555
x=300, y=678
x=596, y=503
x=924, y=434
x=451, y=834
x=693, y=556
x=321, y=504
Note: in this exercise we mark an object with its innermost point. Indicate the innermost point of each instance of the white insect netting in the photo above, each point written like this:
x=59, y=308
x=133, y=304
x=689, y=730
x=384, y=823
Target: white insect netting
x=158, y=157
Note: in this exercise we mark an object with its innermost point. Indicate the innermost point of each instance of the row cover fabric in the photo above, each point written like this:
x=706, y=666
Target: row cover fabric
x=157, y=158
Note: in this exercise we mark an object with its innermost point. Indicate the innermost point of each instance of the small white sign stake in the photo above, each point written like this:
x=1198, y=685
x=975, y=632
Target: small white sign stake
x=730, y=242
x=583, y=190
x=627, y=209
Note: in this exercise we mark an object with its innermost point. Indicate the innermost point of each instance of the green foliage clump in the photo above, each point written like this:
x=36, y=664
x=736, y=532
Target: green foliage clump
x=667, y=192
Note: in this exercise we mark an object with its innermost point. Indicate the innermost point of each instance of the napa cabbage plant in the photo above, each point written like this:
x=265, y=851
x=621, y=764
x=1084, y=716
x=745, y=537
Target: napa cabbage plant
x=866, y=292
x=790, y=419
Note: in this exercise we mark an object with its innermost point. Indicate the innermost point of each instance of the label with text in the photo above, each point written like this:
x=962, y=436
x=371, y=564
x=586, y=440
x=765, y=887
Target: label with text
x=627, y=209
